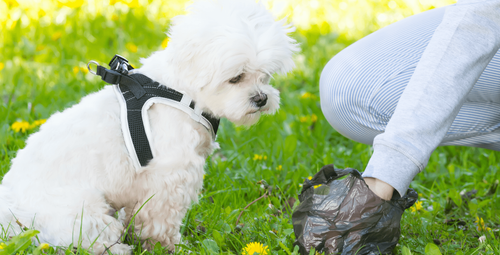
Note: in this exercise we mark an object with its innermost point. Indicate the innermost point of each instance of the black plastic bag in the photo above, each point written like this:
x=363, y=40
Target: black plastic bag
x=345, y=217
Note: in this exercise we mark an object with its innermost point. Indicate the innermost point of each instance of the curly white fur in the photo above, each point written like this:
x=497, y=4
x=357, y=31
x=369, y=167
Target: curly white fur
x=75, y=172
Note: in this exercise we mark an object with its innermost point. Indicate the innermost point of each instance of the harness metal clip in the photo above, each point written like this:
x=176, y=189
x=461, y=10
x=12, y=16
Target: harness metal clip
x=90, y=69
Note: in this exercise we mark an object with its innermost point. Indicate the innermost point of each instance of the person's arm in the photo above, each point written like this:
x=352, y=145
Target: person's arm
x=459, y=51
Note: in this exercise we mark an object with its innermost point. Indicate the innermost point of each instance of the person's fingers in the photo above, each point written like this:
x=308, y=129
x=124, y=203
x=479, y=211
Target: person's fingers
x=380, y=188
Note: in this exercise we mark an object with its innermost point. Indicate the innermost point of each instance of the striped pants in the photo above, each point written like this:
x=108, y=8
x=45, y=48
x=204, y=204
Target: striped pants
x=360, y=87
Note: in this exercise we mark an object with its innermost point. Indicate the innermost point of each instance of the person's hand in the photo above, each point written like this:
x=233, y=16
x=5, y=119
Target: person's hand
x=345, y=216
x=380, y=188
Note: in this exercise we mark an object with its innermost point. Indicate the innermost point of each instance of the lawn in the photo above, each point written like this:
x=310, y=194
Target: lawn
x=46, y=44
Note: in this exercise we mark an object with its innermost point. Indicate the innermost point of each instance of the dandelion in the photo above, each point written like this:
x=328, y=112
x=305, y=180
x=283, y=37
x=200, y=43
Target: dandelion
x=417, y=206
x=11, y=24
x=2, y=246
x=44, y=246
x=131, y=47
x=12, y=3
x=253, y=248
x=308, y=95
x=76, y=70
x=56, y=36
x=164, y=44
x=84, y=70
x=20, y=126
x=39, y=122
x=279, y=168
x=2, y=65
x=315, y=186
x=131, y=3
x=314, y=118
x=41, y=13
x=259, y=157
x=480, y=225
x=70, y=3
x=114, y=17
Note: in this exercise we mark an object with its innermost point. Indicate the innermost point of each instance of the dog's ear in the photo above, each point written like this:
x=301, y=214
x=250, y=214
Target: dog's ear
x=216, y=38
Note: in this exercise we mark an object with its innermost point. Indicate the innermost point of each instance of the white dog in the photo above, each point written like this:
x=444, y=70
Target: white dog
x=76, y=172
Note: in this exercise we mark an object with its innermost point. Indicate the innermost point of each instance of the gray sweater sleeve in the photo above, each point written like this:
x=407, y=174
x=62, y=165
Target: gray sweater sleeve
x=459, y=51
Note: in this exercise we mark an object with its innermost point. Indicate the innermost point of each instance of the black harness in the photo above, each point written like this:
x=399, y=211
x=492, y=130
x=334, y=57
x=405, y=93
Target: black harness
x=138, y=92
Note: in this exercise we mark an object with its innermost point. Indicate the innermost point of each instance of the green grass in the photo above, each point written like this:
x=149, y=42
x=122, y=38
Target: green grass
x=38, y=80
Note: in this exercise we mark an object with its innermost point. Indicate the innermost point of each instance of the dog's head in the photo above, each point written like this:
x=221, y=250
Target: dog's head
x=224, y=53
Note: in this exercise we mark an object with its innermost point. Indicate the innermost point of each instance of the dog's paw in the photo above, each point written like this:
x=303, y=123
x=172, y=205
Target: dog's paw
x=118, y=248
x=121, y=249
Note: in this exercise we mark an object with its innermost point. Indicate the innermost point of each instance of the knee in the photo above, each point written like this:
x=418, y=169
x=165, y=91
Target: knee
x=344, y=104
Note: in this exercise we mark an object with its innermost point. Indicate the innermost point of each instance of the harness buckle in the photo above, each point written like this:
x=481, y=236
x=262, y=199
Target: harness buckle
x=120, y=64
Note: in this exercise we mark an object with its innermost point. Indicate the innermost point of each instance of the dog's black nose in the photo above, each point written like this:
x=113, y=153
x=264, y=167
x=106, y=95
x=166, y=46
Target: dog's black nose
x=260, y=99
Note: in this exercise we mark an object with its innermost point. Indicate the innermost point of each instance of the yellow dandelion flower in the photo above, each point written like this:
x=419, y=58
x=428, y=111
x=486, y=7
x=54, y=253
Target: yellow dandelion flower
x=279, y=168
x=131, y=3
x=131, y=47
x=303, y=119
x=114, y=17
x=259, y=157
x=76, y=70
x=314, y=118
x=253, y=248
x=84, y=70
x=44, y=246
x=310, y=177
x=56, y=36
x=20, y=126
x=70, y=3
x=2, y=246
x=2, y=65
x=41, y=13
x=11, y=3
x=480, y=225
x=11, y=24
x=40, y=47
x=164, y=44
x=39, y=122
x=308, y=95
x=417, y=206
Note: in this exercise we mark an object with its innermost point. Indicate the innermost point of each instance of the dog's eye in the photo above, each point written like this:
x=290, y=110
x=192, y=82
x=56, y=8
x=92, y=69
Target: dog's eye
x=236, y=79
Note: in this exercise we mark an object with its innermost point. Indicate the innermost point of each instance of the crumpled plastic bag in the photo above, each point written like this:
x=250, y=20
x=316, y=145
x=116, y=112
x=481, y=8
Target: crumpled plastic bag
x=343, y=216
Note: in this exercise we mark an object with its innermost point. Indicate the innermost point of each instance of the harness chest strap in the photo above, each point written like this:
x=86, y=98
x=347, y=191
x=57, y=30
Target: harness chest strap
x=136, y=93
